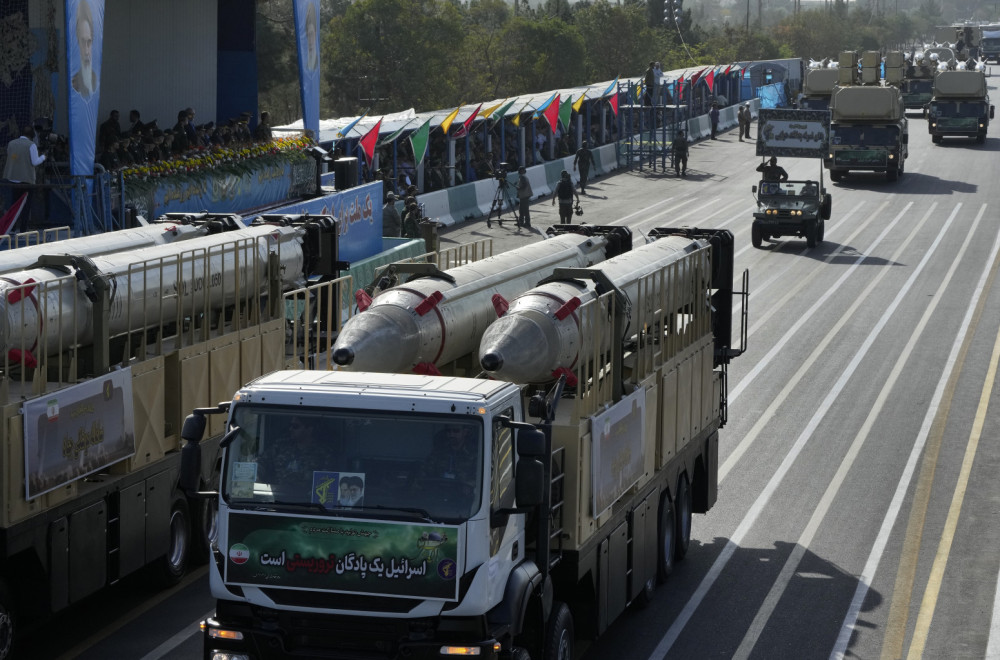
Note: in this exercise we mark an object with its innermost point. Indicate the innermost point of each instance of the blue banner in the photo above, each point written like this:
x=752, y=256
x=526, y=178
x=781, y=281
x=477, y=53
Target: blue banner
x=84, y=38
x=360, y=213
x=307, y=39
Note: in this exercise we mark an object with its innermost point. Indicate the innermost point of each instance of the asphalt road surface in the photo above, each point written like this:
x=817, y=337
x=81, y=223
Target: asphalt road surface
x=859, y=501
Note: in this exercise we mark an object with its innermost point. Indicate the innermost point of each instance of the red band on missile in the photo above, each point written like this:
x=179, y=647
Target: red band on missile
x=568, y=308
x=500, y=304
x=15, y=355
x=429, y=303
x=22, y=292
x=363, y=300
x=427, y=369
x=571, y=380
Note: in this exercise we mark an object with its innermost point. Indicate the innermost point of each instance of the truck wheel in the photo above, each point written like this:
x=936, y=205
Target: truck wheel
x=559, y=634
x=6, y=622
x=173, y=565
x=668, y=529
x=936, y=139
x=820, y=232
x=517, y=653
x=826, y=206
x=755, y=236
x=811, y=236
x=891, y=173
x=683, y=508
x=981, y=137
x=836, y=175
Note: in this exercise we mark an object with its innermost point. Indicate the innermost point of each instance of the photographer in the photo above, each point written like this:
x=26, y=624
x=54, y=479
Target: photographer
x=523, y=198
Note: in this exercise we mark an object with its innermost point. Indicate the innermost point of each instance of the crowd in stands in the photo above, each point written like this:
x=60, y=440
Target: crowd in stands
x=142, y=143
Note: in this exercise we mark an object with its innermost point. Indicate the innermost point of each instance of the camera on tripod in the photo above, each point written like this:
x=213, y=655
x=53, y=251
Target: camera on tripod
x=500, y=173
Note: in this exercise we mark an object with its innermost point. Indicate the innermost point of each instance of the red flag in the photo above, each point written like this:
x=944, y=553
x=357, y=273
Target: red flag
x=726, y=72
x=710, y=79
x=680, y=88
x=614, y=103
x=368, y=141
x=467, y=124
x=552, y=113
x=10, y=217
x=695, y=77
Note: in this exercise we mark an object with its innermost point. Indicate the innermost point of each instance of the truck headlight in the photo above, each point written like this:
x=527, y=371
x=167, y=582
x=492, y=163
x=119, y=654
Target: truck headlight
x=460, y=650
x=933, y=124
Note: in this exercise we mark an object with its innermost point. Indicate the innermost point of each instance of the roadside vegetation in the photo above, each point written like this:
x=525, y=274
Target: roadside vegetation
x=389, y=55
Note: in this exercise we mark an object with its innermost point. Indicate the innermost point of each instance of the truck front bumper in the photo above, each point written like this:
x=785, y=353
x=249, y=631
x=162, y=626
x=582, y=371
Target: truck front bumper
x=304, y=635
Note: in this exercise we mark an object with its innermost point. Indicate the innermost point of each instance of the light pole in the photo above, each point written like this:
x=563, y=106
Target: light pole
x=748, y=16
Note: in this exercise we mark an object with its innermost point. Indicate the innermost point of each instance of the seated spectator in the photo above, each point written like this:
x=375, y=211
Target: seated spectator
x=109, y=155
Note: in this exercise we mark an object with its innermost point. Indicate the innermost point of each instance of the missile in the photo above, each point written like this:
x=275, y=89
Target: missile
x=49, y=308
x=540, y=336
x=434, y=320
x=158, y=233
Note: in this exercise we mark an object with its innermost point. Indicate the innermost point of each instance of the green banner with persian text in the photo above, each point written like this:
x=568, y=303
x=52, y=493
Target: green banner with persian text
x=380, y=558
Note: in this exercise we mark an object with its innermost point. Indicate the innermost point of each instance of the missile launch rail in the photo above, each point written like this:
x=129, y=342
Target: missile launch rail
x=97, y=371
x=426, y=516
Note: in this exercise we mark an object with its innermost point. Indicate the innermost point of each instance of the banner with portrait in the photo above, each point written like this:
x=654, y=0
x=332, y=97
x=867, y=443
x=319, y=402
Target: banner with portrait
x=307, y=40
x=84, y=39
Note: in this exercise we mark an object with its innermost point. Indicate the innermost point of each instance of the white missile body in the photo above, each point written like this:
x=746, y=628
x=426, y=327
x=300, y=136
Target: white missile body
x=433, y=321
x=48, y=309
x=112, y=241
x=541, y=333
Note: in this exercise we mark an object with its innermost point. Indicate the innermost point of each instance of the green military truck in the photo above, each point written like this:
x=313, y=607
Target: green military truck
x=960, y=106
x=868, y=131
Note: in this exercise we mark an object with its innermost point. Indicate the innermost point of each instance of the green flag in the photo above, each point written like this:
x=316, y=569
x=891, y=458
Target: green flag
x=392, y=138
x=418, y=140
x=565, y=110
x=498, y=114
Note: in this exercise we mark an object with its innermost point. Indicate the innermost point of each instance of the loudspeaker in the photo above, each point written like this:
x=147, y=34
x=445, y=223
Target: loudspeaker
x=345, y=173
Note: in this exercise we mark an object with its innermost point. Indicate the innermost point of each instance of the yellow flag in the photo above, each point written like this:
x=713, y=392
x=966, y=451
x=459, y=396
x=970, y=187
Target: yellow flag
x=489, y=111
x=516, y=120
x=579, y=102
x=446, y=124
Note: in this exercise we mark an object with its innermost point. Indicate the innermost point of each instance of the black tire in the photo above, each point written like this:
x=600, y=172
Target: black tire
x=811, y=236
x=836, y=175
x=205, y=524
x=826, y=206
x=892, y=173
x=517, y=653
x=173, y=565
x=756, y=238
x=981, y=137
x=683, y=507
x=667, y=530
x=822, y=230
x=936, y=139
x=559, y=634
x=7, y=622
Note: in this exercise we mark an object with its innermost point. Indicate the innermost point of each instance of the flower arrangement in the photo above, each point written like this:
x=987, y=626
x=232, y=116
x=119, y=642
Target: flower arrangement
x=237, y=160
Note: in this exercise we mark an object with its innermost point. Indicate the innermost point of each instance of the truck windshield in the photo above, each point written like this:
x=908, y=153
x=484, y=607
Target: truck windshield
x=864, y=136
x=815, y=103
x=917, y=86
x=370, y=464
x=957, y=109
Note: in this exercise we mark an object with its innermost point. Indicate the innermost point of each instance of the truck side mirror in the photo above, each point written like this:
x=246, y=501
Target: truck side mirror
x=753, y=189
x=991, y=112
x=529, y=482
x=530, y=443
x=906, y=138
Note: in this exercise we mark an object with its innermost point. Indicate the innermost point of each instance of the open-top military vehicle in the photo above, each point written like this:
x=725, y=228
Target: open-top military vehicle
x=790, y=208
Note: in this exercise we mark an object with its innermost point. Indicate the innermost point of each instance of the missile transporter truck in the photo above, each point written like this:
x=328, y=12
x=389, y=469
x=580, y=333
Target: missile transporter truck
x=102, y=356
x=817, y=89
x=960, y=106
x=868, y=132
x=433, y=515
x=918, y=81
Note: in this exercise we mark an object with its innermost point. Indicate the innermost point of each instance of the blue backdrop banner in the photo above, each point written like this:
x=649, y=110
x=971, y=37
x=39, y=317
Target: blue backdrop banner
x=307, y=40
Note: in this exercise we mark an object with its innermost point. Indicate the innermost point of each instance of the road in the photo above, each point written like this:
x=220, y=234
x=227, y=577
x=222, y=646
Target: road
x=858, y=505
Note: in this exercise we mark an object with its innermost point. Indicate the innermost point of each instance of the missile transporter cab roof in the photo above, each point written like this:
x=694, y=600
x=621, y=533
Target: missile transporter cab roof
x=790, y=208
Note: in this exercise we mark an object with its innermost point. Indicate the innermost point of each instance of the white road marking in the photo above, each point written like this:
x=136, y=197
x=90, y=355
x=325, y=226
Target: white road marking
x=179, y=638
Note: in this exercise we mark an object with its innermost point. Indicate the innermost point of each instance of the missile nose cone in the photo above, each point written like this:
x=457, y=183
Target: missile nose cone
x=491, y=361
x=343, y=356
x=519, y=350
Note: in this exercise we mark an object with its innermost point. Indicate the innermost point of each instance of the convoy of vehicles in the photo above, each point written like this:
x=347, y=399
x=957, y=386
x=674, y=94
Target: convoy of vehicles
x=441, y=515
x=102, y=358
x=818, y=88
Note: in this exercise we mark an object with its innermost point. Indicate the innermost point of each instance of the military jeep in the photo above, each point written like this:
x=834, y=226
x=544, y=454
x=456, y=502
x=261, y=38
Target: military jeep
x=790, y=208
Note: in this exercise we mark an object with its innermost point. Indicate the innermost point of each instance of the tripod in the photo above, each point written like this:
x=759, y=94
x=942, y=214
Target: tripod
x=503, y=199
